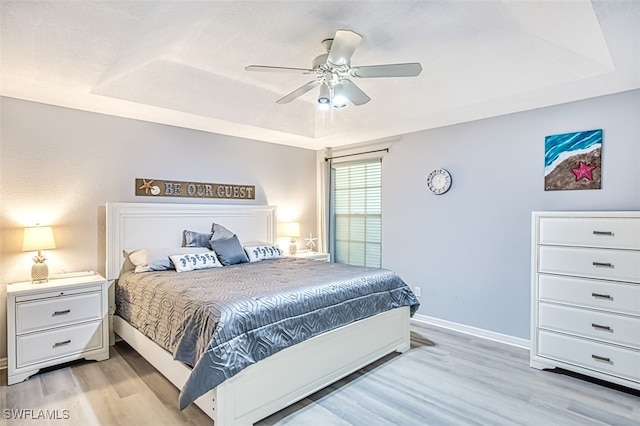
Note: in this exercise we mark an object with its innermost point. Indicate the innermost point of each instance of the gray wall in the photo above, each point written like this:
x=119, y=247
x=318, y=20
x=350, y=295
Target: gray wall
x=60, y=166
x=469, y=249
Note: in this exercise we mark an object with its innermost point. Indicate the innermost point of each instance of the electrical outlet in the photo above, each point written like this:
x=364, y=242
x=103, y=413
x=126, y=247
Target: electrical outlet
x=417, y=291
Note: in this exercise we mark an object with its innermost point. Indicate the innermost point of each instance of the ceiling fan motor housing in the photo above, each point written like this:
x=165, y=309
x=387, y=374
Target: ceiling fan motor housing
x=319, y=61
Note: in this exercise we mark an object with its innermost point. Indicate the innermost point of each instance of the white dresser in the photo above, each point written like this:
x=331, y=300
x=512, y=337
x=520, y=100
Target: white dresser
x=55, y=322
x=585, y=294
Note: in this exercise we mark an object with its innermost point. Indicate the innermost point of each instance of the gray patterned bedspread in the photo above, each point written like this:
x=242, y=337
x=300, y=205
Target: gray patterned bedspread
x=221, y=320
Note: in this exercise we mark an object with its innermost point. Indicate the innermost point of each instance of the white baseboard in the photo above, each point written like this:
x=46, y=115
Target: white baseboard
x=3, y=363
x=478, y=332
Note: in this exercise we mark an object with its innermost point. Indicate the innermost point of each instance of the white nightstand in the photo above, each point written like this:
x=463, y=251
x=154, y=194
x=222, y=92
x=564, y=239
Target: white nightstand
x=59, y=321
x=314, y=255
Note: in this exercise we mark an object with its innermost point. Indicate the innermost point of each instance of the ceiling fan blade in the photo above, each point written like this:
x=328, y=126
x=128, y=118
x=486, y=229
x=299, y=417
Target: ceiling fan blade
x=354, y=93
x=267, y=68
x=298, y=92
x=391, y=70
x=344, y=44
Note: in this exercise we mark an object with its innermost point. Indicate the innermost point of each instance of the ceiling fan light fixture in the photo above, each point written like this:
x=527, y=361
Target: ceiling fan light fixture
x=339, y=99
x=325, y=96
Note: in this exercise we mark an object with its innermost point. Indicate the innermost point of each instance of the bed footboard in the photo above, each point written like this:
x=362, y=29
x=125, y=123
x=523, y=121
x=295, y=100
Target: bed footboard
x=289, y=375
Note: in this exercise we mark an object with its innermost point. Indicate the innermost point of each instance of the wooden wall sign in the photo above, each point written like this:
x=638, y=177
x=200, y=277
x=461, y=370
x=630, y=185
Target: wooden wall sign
x=172, y=188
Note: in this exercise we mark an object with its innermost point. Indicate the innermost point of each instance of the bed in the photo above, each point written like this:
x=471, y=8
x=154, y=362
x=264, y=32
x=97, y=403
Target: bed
x=279, y=379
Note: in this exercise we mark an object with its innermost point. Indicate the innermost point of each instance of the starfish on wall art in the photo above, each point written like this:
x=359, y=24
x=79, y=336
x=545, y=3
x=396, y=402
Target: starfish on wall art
x=583, y=171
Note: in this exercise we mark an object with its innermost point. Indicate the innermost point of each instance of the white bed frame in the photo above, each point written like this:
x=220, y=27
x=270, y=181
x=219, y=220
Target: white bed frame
x=279, y=380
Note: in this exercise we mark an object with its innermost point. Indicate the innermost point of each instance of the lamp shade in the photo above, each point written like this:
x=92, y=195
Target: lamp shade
x=291, y=229
x=38, y=238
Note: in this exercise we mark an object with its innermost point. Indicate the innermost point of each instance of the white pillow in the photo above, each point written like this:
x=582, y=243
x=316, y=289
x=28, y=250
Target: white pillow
x=146, y=260
x=191, y=262
x=262, y=252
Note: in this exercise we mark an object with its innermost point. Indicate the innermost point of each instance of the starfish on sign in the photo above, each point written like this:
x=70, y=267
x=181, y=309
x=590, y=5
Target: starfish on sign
x=146, y=185
x=311, y=245
x=583, y=171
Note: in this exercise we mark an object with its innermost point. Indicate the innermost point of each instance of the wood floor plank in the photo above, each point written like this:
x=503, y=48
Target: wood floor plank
x=447, y=378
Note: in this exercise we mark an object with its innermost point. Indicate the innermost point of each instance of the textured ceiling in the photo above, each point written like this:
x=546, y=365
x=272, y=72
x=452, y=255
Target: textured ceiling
x=182, y=62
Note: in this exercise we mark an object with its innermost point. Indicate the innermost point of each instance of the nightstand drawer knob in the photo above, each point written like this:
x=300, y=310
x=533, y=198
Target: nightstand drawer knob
x=601, y=296
x=601, y=327
x=603, y=265
x=65, y=312
x=601, y=358
x=58, y=344
x=603, y=233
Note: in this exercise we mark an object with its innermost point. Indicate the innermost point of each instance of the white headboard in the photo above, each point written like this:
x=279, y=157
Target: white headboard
x=153, y=225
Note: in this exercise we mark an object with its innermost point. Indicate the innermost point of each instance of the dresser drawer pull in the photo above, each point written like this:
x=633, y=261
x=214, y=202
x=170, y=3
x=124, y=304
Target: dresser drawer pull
x=602, y=296
x=601, y=358
x=604, y=265
x=65, y=312
x=57, y=344
x=603, y=233
x=601, y=327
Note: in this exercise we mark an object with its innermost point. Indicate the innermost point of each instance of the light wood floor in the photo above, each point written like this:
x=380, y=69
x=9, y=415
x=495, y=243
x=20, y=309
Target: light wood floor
x=446, y=378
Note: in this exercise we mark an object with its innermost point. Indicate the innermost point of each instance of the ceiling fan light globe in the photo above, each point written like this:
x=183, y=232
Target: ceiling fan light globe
x=339, y=102
x=339, y=99
x=325, y=95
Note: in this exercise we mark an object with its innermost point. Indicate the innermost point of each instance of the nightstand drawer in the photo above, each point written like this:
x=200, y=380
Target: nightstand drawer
x=605, y=295
x=617, y=265
x=56, y=312
x=611, y=328
x=621, y=233
x=49, y=345
x=595, y=356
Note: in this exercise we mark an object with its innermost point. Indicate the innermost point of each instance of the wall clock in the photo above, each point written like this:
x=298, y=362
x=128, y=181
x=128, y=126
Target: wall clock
x=439, y=181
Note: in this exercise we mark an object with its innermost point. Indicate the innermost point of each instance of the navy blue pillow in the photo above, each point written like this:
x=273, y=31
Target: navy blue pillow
x=229, y=251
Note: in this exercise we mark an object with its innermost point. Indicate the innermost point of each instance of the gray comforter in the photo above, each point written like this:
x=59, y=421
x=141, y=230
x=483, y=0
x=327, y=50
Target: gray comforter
x=221, y=320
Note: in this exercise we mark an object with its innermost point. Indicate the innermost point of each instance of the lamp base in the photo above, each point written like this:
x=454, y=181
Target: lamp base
x=39, y=272
x=293, y=248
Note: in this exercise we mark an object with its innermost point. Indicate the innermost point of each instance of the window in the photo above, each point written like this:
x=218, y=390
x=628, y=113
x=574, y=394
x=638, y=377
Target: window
x=356, y=218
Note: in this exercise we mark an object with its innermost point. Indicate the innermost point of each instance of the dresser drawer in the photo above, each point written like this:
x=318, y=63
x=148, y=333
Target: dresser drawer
x=617, y=265
x=56, y=312
x=49, y=345
x=621, y=233
x=611, y=328
x=614, y=360
x=605, y=295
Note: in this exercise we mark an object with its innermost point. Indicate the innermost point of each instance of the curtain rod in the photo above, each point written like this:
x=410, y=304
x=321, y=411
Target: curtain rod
x=357, y=153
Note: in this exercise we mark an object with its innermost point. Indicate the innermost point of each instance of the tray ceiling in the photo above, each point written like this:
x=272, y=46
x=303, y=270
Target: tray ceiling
x=182, y=63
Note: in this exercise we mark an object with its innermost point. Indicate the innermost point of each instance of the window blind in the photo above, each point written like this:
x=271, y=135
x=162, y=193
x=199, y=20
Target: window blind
x=357, y=212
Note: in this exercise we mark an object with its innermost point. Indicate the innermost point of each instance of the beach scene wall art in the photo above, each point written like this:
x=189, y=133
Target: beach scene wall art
x=573, y=161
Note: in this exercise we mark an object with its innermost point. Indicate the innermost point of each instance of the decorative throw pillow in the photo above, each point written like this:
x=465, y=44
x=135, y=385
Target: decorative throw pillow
x=219, y=232
x=262, y=252
x=197, y=239
x=229, y=251
x=191, y=262
x=146, y=260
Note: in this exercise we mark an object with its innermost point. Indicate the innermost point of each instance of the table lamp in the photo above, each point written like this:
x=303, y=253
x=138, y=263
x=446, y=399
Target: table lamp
x=38, y=238
x=291, y=230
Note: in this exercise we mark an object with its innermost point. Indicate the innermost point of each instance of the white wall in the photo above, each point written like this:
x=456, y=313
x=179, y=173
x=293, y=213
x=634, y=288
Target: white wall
x=59, y=166
x=469, y=249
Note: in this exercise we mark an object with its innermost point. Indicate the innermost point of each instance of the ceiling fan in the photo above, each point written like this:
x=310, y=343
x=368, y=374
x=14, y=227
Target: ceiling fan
x=332, y=69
